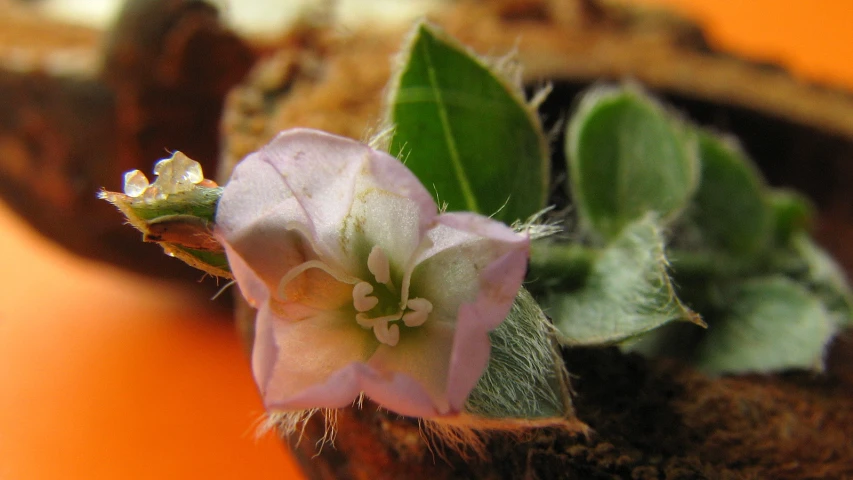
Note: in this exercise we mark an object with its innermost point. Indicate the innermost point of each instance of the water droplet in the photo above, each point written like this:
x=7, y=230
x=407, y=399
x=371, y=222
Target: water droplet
x=187, y=169
x=135, y=183
x=152, y=193
x=177, y=174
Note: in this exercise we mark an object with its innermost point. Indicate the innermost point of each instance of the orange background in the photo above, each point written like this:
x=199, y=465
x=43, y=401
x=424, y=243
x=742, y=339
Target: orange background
x=107, y=375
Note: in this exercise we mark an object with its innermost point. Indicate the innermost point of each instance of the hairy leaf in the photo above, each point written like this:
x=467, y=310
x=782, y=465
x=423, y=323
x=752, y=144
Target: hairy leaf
x=730, y=207
x=771, y=323
x=628, y=292
x=525, y=378
x=792, y=213
x=825, y=279
x=628, y=157
x=466, y=131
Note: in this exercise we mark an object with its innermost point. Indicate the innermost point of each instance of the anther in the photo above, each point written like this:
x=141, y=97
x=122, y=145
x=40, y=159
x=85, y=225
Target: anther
x=420, y=310
x=361, y=298
x=385, y=334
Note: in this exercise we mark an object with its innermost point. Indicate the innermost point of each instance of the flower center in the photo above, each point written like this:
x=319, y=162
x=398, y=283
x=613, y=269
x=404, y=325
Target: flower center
x=381, y=306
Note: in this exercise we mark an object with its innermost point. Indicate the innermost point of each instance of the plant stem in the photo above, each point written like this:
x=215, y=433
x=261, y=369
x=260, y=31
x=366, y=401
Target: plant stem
x=565, y=266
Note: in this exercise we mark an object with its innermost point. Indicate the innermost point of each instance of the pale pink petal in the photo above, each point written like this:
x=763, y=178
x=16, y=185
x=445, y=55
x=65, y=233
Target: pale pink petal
x=328, y=174
x=258, y=217
x=485, y=262
x=260, y=281
x=251, y=286
x=294, y=361
x=396, y=392
x=264, y=348
x=388, y=221
x=478, y=257
x=470, y=356
x=409, y=379
x=402, y=394
x=422, y=355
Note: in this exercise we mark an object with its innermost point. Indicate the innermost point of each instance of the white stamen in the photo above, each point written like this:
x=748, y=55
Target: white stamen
x=420, y=310
x=361, y=298
x=377, y=263
x=388, y=335
x=363, y=320
x=385, y=334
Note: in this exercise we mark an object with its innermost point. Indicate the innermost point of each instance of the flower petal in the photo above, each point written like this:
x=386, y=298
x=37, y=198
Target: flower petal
x=340, y=182
x=423, y=356
x=479, y=257
x=298, y=362
x=485, y=262
x=387, y=221
x=259, y=219
x=252, y=287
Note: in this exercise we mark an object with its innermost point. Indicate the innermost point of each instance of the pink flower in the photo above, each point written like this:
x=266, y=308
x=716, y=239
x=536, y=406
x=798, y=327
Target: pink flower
x=360, y=285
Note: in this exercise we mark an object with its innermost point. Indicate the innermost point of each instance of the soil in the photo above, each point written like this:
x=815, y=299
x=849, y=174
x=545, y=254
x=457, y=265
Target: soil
x=649, y=419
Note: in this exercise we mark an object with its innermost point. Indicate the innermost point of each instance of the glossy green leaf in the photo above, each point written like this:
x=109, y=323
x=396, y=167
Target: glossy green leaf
x=628, y=292
x=730, y=209
x=628, y=157
x=466, y=131
x=526, y=377
x=770, y=324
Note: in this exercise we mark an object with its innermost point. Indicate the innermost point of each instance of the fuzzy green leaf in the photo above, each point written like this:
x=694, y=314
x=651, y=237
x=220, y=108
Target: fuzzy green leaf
x=771, y=323
x=466, y=131
x=730, y=207
x=825, y=279
x=628, y=157
x=525, y=378
x=628, y=292
x=792, y=214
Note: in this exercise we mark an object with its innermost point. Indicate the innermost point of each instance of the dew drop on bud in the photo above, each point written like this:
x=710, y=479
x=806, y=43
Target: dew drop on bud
x=152, y=194
x=135, y=183
x=188, y=169
x=177, y=174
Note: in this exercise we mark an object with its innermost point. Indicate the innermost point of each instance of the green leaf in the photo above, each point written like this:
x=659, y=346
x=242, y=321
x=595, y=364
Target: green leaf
x=771, y=324
x=628, y=292
x=526, y=377
x=730, y=207
x=792, y=214
x=466, y=131
x=825, y=279
x=628, y=157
